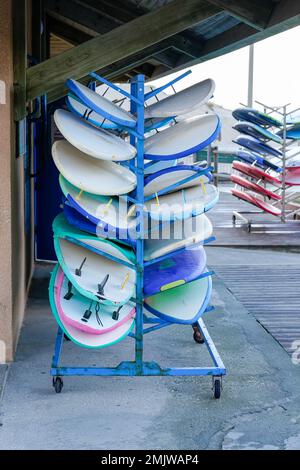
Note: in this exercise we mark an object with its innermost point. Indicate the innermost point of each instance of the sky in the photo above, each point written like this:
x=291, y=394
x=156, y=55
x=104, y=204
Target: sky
x=276, y=73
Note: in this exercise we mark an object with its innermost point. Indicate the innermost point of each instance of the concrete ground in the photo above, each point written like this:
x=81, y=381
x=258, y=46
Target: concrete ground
x=259, y=407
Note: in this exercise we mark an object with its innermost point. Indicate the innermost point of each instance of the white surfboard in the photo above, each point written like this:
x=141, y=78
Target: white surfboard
x=185, y=101
x=83, y=111
x=180, y=234
x=184, y=304
x=183, y=203
x=90, y=174
x=101, y=105
x=168, y=177
x=92, y=274
x=97, y=143
x=183, y=139
x=65, y=311
x=98, y=209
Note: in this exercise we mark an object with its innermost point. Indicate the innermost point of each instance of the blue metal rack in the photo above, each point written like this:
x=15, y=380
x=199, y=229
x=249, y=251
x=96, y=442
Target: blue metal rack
x=139, y=367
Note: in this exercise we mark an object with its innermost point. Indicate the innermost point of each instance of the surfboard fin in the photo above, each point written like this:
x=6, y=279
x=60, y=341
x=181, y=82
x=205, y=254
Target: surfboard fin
x=69, y=294
x=102, y=285
x=78, y=270
x=87, y=314
x=115, y=315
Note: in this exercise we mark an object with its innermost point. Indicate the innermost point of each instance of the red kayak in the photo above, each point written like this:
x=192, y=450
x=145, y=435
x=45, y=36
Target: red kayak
x=252, y=199
x=255, y=172
x=254, y=187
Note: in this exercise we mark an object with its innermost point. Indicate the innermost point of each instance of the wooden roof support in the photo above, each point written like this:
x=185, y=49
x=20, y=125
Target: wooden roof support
x=255, y=13
x=116, y=45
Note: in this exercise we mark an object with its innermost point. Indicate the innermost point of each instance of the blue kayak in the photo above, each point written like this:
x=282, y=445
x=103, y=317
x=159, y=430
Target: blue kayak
x=251, y=158
x=258, y=132
x=256, y=145
x=256, y=117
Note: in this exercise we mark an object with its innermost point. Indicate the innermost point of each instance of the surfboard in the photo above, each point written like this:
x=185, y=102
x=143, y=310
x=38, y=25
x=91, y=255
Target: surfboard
x=291, y=133
x=101, y=105
x=105, y=216
x=66, y=311
x=184, y=304
x=81, y=110
x=93, y=274
x=177, y=235
x=292, y=176
x=256, y=117
x=256, y=131
x=255, y=172
x=256, y=201
x=260, y=161
x=163, y=179
x=183, y=204
x=97, y=143
x=100, y=177
x=254, y=187
x=256, y=145
x=174, y=271
x=152, y=166
x=182, y=102
x=183, y=139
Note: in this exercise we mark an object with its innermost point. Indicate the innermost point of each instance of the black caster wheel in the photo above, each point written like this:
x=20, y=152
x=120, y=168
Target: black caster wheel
x=233, y=220
x=217, y=388
x=198, y=337
x=57, y=384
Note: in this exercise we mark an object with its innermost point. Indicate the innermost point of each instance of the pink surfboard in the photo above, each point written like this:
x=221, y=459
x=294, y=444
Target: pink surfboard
x=254, y=187
x=292, y=176
x=255, y=172
x=265, y=206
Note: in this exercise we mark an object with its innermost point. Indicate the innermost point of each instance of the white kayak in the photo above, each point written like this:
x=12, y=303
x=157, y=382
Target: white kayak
x=161, y=180
x=183, y=139
x=185, y=101
x=94, y=275
x=97, y=143
x=89, y=174
x=180, y=234
x=83, y=111
x=184, y=304
x=101, y=105
x=77, y=316
x=183, y=203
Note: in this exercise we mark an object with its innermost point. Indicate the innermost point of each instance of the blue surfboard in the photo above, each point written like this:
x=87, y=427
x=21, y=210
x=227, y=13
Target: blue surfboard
x=256, y=145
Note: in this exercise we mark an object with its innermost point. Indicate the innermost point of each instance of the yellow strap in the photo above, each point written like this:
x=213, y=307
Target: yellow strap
x=125, y=281
x=107, y=206
x=131, y=211
x=157, y=200
x=203, y=185
x=79, y=195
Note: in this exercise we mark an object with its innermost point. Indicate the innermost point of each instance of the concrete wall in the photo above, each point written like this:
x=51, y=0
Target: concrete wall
x=13, y=256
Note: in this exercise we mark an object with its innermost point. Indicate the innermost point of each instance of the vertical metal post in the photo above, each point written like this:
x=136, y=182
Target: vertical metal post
x=251, y=75
x=137, y=90
x=284, y=146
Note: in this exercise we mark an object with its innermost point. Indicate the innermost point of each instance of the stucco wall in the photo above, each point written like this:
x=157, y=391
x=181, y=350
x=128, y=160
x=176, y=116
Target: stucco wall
x=13, y=282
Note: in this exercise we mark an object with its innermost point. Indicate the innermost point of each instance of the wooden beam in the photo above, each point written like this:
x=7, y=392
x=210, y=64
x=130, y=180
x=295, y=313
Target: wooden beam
x=286, y=15
x=255, y=13
x=67, y=32
x=20, y=57
x=118, y=44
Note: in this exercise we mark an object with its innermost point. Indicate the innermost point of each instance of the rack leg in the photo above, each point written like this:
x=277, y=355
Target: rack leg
x=57, y=381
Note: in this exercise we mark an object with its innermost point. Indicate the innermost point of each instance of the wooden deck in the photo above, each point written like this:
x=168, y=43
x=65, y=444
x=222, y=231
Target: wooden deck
x=267, y=230
x=271, y=294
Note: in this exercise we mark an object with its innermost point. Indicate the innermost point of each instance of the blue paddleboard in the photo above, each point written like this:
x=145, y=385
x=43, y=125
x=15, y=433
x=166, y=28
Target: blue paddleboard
x=256, y=117
x=256, y=145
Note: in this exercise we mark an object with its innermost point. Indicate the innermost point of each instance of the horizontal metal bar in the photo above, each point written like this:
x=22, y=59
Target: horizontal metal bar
x=156, y=327
x=155, y=92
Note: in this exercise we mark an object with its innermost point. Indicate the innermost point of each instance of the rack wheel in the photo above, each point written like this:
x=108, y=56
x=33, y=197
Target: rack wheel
x=57, y=384
x=217, y=388
x=198, y=338
x=233, y=220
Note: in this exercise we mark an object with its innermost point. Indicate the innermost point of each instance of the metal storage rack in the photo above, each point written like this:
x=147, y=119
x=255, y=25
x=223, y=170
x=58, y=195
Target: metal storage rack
x=139, y=367
x=287, y=219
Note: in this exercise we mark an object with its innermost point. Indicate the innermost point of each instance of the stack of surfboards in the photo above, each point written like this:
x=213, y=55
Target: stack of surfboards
x=258, y=172
x=93, y=285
